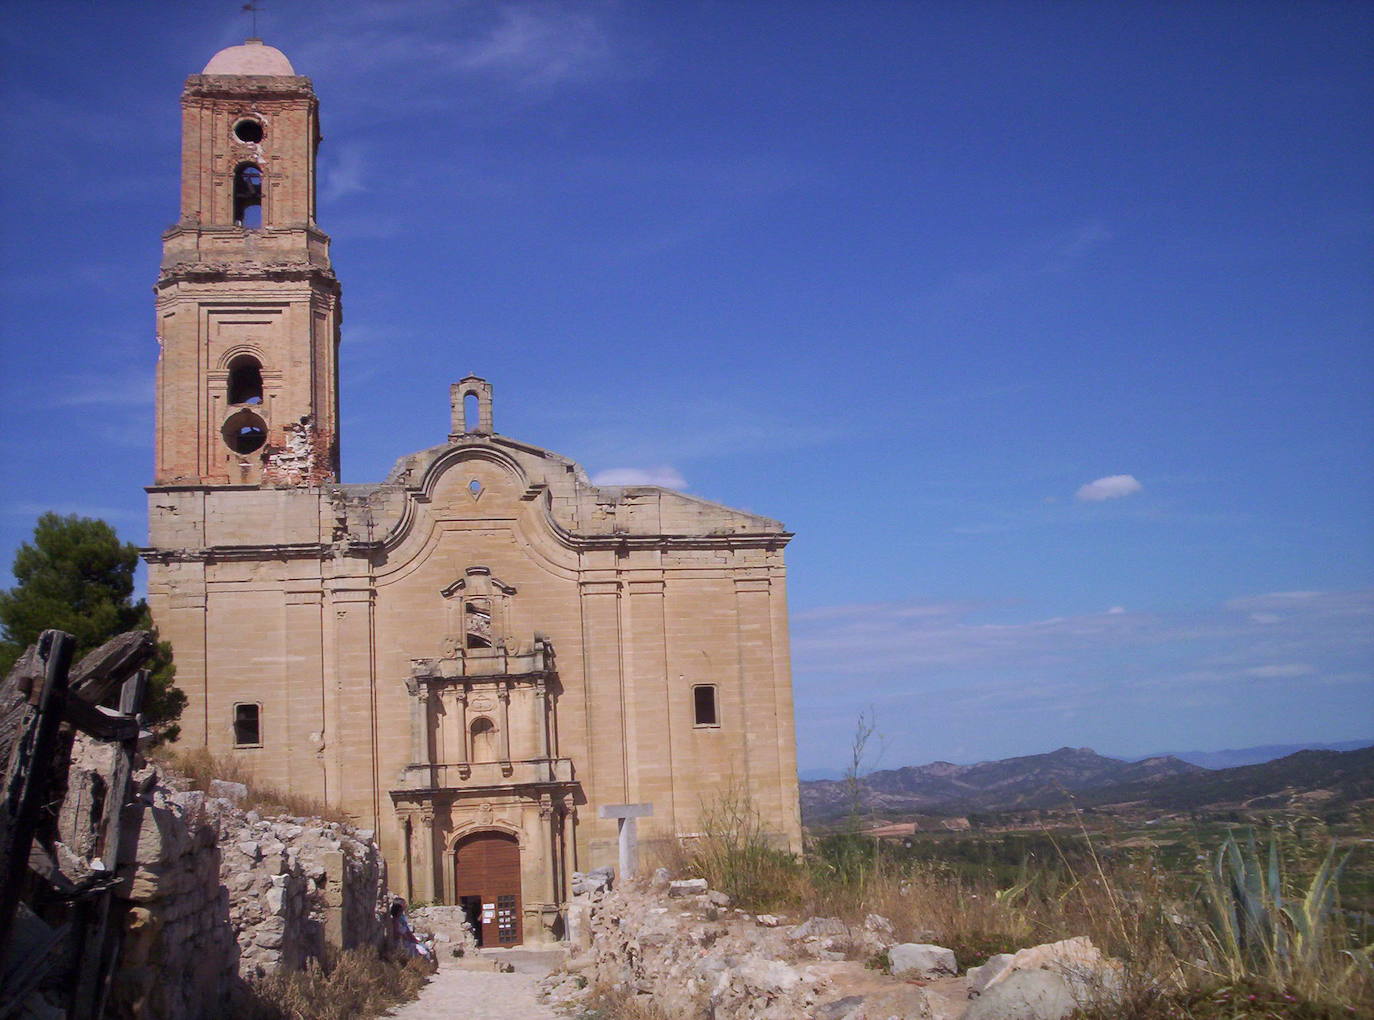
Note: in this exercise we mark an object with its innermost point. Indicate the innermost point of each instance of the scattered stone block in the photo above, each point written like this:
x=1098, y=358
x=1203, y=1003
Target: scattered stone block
x=232, y=792
x=687, y=887
x=840, y=1009
x=818, y=927
x=1025, y=995
x=921, y=960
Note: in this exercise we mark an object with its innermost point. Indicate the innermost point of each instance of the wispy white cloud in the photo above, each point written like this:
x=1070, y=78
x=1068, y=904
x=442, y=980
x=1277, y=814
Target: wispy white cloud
x=123, y=388
x=538, y=44
x=665, y=475
x=1281, y=669
x=1075, y=245
x=891, y=646
x=1110, y=487
x=689, y=428
x=1120, y=681
x=528, y=45
x=344, y=172
x=1024, y=263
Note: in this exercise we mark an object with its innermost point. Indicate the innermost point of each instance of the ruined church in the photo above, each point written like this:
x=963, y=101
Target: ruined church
x=484, y=654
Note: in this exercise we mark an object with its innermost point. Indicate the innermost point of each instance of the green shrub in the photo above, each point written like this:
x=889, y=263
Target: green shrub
x=735, y=856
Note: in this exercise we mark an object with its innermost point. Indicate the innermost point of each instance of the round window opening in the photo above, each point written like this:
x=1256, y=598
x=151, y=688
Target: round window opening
x=248, y=130
x=244, y=432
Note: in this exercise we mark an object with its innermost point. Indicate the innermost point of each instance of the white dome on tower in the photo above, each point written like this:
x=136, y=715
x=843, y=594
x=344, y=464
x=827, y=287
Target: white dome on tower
x=253, y=57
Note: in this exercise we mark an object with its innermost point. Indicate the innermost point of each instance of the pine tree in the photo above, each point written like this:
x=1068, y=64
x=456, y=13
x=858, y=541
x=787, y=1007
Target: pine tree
x=76, y=575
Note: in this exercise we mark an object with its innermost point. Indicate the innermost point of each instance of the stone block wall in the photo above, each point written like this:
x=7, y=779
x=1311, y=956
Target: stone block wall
x=297, y=885
x=178, y=949
x=212, y=896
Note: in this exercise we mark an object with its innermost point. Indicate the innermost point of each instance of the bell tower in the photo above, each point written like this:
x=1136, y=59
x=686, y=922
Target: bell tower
x=248, y=307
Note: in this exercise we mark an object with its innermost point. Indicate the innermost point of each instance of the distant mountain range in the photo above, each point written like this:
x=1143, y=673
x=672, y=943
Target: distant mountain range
x=1233, y=758
x=1029, y=781
x=1227, y=759
x=1164, y=782
x=1315, y=779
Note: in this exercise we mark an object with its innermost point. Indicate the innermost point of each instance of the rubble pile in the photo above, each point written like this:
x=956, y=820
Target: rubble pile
x=452, y=935
x=682, y=947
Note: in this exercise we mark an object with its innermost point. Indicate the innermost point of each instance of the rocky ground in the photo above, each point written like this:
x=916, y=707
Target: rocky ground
x=684, y=948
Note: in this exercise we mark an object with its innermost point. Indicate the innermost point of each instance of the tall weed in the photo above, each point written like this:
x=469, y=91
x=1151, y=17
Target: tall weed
x=735, y=855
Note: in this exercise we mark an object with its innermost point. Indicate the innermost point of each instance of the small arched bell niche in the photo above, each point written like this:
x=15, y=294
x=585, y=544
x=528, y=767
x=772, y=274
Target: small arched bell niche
x=470, y=408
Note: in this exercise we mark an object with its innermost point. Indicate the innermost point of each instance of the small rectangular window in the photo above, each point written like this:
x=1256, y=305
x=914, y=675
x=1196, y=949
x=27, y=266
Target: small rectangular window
x=704, y=705
x=247, y=725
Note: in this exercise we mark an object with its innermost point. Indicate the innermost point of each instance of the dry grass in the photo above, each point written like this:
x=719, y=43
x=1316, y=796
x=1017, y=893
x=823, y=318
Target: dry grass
x=356, y=984
x=610, y=1004
x=1154, y=921
x=199, y=766
x=1150, y=920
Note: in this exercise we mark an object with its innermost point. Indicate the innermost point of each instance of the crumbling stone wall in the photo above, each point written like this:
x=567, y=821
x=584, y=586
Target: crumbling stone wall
x=215, y=896
x=297, y=884
x=299, y=453
x=178, y=951
x=680, y=947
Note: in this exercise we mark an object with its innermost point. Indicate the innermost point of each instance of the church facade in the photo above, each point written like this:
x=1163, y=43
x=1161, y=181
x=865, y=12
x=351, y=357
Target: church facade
x=478, y=654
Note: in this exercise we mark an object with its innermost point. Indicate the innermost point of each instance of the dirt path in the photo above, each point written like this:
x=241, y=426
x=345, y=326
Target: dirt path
x=455, y=994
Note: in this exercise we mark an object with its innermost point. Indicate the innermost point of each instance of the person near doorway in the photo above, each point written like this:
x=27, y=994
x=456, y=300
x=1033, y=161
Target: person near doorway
x=403, y=935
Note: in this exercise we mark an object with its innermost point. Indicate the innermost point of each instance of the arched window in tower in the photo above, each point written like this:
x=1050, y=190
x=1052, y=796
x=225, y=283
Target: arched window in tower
x=483, y=733
x=477, y=623
x=244, y=432
x=471, y=412
x=245, y=380
x=248, y=196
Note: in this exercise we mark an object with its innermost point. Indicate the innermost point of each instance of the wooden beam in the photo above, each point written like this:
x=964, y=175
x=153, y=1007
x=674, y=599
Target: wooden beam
x=26, y=785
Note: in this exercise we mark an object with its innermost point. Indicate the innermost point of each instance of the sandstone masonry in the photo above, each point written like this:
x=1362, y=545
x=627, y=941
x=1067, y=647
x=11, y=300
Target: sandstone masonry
x=471, y=657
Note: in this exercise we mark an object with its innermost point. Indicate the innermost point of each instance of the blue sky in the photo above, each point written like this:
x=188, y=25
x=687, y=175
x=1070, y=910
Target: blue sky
x=1046, y=327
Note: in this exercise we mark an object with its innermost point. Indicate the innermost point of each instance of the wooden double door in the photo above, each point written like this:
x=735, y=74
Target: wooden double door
x=487, y=885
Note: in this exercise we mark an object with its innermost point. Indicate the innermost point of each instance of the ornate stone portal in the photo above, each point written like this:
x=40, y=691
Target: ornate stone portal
x=484, y=738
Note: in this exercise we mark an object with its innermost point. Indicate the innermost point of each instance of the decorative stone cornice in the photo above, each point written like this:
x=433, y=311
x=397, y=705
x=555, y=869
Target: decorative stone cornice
x=262, y=86
x=276, y=272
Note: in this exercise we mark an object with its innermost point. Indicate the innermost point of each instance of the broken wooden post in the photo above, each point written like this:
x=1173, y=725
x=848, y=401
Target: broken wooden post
x=26, y=785
x=629, y=836
x=100, y=949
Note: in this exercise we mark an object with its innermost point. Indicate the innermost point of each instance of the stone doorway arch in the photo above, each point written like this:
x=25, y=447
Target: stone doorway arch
x=486, y=882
